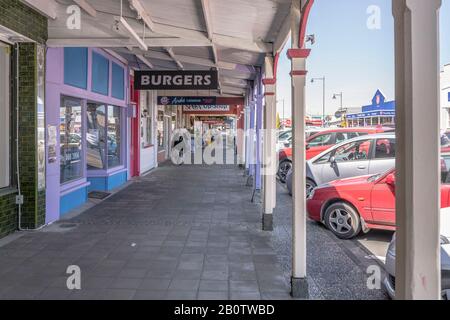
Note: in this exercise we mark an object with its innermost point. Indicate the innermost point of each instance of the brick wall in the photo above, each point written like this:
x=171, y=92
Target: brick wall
x=20, y=18
x=24, y=20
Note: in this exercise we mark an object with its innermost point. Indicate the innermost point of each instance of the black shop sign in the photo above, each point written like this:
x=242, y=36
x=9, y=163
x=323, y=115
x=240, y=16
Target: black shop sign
x=176, y=80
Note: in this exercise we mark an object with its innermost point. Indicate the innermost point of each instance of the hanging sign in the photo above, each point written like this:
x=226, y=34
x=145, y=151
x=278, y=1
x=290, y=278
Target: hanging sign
x=186, y=101
x=220, y=108
x=176, y=80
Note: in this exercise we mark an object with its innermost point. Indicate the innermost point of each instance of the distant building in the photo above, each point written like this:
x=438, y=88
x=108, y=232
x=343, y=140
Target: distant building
x=380, y=112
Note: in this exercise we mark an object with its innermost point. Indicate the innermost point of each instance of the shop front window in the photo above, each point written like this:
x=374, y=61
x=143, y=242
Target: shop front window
x=146, y=121
x=161, y=129
x=114, y=143
x=96, y=136
x=71, y=140
x=103, y=136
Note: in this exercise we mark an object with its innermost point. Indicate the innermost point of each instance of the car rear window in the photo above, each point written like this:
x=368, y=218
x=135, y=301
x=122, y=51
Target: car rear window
x=385, y=149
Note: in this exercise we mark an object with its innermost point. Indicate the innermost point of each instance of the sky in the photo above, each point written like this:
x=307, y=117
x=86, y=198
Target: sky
x=354, y=59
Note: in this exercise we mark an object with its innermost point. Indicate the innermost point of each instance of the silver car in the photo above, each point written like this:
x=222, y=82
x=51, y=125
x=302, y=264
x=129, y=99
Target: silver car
x=389, y=281
x=364, y=155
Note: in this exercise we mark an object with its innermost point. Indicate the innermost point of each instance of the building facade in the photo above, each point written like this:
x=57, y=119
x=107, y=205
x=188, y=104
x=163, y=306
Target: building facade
x=23, y=34
x=380, y=112
x=87, y=121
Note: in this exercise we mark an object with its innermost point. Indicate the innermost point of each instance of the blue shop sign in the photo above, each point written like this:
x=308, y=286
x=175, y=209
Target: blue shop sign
x=381, y=113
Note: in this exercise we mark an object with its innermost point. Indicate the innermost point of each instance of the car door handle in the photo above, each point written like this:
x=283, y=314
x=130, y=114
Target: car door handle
x=361, y=167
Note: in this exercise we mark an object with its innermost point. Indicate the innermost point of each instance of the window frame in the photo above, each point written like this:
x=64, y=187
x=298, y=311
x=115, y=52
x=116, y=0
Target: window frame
x=374, y=150
x=121, y=128
x=332, y=153
x=146, y=126
x=332, y=138
x=5, y=120
x=83, y=139
x=105, y=159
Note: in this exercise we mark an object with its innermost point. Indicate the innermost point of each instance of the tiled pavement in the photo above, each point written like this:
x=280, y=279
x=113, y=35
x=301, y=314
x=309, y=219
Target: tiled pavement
x=181, y=232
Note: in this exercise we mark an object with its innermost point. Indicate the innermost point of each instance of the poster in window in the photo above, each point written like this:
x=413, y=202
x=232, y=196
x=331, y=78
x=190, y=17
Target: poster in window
x=51, y=136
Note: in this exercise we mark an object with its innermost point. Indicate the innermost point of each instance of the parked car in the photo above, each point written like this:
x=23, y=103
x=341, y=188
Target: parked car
x=364, y=155
x=320, y=142
x=389, y=281
x=285, y=137
x=348, y=206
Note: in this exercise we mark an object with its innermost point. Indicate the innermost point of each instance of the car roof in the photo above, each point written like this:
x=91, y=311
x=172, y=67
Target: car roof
x=352, y=129
x=388, y=135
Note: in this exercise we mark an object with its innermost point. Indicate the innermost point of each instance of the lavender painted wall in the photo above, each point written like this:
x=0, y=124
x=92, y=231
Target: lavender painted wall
x=55, y=89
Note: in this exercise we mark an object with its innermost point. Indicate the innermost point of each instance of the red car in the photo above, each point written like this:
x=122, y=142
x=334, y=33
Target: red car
x=350, y=205
x=322, y=141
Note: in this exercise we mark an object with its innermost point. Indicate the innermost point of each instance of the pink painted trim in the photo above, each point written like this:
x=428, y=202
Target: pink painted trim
x=304, y=21
x=299, y=73
x=275, y=65
x=298, y=53
x=269, y=81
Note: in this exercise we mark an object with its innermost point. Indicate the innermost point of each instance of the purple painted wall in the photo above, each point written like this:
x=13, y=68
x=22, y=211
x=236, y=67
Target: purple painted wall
x=55, y=88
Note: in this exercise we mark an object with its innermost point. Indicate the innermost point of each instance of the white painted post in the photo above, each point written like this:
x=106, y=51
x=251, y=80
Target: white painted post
x=418, y=150
x=299, y=284
x=269, y=149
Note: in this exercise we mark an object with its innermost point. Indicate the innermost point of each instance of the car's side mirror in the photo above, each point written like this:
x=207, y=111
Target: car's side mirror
x=333, y=160
x=390, y=180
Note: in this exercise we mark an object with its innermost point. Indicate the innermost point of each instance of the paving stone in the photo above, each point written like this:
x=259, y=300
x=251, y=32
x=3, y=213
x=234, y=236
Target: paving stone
x=244, y=285
x=213, y=295
x=213, y=285
x=181, y=295
x=184, y=285
x=155, y=284
x=126, y=283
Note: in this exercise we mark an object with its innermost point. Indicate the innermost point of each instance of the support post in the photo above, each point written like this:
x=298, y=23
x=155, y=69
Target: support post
x=418, y=151
x=298, y=55
x=259, y=126
x=270, y=160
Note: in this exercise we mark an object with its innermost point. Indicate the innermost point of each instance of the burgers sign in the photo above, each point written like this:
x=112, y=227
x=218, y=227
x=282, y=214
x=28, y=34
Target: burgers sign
x=176, y=80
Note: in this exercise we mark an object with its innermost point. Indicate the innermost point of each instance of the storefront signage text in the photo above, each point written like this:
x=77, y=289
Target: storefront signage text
x=206, y=108
x=176, y=80
x=186, y=101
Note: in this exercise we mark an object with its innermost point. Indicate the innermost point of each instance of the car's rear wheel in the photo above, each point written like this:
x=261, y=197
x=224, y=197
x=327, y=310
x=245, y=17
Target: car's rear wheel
x=343, y=220
x=283, y=169
x=310, y=186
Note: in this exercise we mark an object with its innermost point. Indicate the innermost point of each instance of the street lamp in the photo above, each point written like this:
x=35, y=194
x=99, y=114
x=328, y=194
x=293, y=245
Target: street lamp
x=323, y=106
x=338, y=95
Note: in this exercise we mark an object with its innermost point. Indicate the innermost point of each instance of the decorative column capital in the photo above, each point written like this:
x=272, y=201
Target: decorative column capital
x=269, y=84
x=298, y=53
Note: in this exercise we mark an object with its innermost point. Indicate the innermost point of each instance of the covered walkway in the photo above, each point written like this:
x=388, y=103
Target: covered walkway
x=181, y=232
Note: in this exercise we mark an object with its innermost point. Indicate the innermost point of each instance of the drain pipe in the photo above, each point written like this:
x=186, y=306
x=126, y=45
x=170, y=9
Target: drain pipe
x=19, y=197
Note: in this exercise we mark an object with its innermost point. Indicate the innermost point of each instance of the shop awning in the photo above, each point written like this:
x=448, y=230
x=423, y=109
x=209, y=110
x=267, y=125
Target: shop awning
x=233, y=36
